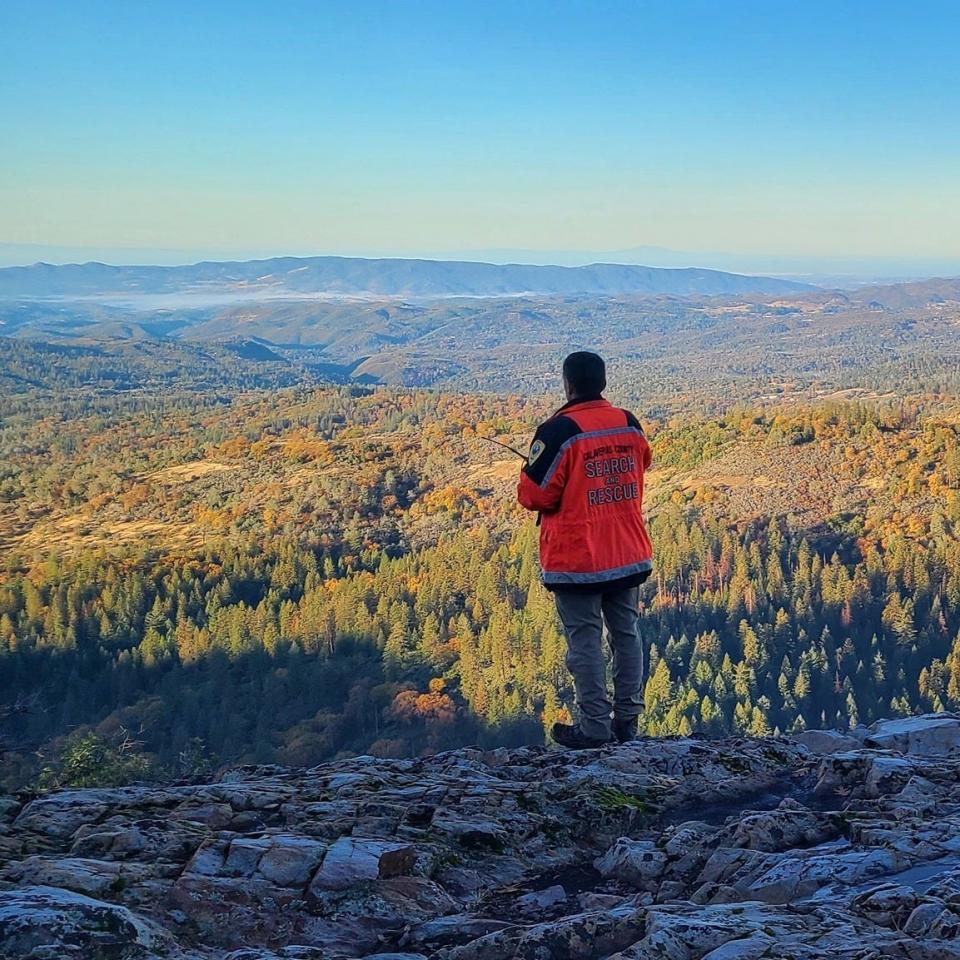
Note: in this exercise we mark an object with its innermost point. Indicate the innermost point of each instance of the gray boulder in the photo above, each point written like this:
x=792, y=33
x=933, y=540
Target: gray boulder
x=932, y=735
x=826, y=741
x=55, y=924
x=638, y=862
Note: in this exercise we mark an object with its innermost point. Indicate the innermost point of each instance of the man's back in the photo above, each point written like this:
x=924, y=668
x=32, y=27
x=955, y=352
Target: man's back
x=585, y=475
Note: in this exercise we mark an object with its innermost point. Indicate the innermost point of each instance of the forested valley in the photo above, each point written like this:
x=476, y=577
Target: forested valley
x=191, y=578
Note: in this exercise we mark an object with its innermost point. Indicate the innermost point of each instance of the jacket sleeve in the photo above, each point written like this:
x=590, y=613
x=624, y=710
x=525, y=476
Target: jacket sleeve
x=644, y=443
x=544, y=476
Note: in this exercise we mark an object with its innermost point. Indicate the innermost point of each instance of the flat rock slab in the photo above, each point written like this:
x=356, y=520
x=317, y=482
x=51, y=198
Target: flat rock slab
x=351, y=861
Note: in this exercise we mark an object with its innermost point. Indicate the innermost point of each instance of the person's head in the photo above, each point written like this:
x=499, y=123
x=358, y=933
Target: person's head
x=584, y=375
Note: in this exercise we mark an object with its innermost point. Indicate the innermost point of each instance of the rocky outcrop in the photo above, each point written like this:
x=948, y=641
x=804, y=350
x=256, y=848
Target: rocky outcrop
x=829, y=845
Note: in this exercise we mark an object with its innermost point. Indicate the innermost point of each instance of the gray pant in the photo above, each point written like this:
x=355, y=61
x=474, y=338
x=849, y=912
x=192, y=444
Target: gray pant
x=583, y=616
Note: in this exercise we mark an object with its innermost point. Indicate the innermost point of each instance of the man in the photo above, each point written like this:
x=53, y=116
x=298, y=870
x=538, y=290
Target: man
x=584, y=476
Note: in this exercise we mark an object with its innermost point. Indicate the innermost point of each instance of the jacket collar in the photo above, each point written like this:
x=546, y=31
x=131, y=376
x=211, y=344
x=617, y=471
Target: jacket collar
x=588, y=402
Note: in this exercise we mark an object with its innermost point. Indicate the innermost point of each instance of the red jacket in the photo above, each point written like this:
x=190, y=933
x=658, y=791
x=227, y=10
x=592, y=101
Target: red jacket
x=584, y=475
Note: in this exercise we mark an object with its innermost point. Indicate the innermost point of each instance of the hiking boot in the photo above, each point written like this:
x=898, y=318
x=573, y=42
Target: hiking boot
x=625, y=730
x=570, y=736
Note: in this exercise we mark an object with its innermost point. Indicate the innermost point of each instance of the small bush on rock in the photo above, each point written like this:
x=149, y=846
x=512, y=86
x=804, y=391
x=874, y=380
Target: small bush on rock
x=87, y=759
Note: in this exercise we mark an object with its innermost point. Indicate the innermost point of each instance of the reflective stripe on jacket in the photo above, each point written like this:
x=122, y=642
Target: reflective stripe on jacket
x=584, y=475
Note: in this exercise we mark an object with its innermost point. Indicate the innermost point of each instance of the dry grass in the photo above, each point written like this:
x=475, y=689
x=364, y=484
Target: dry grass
x=186, y=472
x=72, y=532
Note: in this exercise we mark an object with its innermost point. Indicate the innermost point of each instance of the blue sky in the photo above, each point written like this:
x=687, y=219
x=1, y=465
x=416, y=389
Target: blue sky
x=800, y=128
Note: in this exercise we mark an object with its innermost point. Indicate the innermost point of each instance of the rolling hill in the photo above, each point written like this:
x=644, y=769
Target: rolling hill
x=347, y=276
x=735, y=347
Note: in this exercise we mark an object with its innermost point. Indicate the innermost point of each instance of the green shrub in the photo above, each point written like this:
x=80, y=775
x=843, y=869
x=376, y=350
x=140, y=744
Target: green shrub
x=88, y=760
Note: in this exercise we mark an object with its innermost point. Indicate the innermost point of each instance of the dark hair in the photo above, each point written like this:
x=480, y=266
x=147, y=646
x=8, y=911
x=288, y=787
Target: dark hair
x=586, y=373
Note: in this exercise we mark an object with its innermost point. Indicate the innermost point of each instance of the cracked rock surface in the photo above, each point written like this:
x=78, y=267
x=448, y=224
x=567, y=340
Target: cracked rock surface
x=840, y=845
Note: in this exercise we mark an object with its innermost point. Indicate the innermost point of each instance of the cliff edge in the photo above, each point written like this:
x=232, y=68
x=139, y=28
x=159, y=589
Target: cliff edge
x=841, y=845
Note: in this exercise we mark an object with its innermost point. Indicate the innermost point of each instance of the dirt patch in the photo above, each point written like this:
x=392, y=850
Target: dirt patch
x=186, y=472
x=498, y=471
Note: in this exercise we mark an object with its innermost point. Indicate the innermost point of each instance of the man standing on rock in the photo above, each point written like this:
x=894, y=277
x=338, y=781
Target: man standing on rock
x=584, y=476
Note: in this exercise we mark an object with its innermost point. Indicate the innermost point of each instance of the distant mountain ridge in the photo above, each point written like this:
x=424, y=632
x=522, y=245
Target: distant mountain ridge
x=350, y=276
x=937, y=291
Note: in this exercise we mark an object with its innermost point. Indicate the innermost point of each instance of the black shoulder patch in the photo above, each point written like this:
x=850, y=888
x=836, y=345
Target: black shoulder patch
x=632, y=421
x=547, y=441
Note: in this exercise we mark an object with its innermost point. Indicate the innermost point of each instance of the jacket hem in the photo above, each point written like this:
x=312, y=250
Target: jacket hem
x=607, y=586
x=558, y=577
